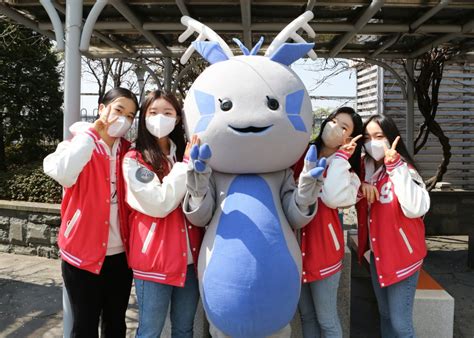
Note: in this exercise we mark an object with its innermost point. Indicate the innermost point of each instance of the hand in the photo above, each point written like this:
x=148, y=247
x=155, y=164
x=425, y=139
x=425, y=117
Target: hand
x=308, y=189
x=102, y=123
x=311, y=164
x=200, y=155
x=370, y=192
x=391, y=153
x=194, y=140
x=351, y=146
x=199, y=172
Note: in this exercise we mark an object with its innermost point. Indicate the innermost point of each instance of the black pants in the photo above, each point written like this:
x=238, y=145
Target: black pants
x=94, y=295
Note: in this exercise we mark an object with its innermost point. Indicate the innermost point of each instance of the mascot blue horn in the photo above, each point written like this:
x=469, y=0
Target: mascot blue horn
x=254, y=117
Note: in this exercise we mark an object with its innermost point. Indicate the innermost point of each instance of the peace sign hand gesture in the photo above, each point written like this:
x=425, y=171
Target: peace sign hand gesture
x=391, y=153
x=102, y=123
x=351, y=146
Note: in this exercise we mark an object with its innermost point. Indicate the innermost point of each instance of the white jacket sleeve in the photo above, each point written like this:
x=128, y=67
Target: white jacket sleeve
x=409, y=188
x=340, y=184
x=70, y=157
x=145, y=192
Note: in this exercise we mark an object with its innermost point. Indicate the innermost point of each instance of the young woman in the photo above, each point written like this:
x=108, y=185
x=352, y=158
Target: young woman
x=94, y=229
x=322, y=240
x=163, y=247
x=390, y=223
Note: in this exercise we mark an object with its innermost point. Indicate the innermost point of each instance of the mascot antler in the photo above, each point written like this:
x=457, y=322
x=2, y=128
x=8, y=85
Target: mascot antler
x=204, y=33
x=290, y=31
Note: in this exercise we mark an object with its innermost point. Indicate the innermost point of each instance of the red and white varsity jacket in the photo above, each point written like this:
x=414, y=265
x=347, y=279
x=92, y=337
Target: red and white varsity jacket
x=322, y=239
x=82, y=166
x=393, y=224
x=162, y=244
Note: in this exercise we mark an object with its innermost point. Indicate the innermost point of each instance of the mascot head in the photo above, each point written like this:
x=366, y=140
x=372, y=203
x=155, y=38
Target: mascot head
x=253, y=111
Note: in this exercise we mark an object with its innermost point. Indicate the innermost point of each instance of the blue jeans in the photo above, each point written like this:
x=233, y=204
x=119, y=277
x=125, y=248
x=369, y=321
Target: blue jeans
x=318, y=308
x=154, y=300
x=395, y=304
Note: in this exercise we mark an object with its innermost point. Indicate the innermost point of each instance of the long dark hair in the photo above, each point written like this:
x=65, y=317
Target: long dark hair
x=115, y=93
x=357, y=121
x=146, y=143
x=390, y=130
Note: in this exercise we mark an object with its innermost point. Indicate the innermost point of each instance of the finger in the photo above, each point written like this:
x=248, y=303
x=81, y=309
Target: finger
x=205, y=152
x=311, y=154
x=108, y=109
x=370, y=196
x=310, y=159
x=376, y=192
x=364, y=191
x=112, y=121
x=395, y=143
x=385, y=148
x=194, y=154
x=357, y=138
x=316, y=172
x=322, y=163
x=200, y=166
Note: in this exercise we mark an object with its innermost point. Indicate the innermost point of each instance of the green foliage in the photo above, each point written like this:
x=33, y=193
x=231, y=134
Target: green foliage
x=29, y=183
x=23, y=154
x=30, y=94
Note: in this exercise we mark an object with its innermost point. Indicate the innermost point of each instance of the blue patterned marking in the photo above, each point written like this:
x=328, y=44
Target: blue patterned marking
x=260, y=291
x=297, y=122
x=293, y=104
x=205, y=102
x=203, y=123
x=207, y=107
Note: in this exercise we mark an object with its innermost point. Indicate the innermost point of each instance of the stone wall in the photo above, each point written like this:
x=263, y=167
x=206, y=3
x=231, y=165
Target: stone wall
x=451, y=213
x=29, y=228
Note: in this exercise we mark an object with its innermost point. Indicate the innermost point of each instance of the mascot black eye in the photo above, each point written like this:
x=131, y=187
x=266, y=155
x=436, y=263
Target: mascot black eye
x=226, y=104
x=272, y=103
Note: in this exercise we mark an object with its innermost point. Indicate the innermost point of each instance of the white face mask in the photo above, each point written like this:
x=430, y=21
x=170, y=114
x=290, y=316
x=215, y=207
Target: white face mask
x=120, y=127
x=376, y=149
x=160, y=125
x=332, y=135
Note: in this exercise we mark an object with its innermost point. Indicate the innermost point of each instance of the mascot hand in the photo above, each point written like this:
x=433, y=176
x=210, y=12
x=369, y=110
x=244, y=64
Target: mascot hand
x=199, y=172
x=308, y=183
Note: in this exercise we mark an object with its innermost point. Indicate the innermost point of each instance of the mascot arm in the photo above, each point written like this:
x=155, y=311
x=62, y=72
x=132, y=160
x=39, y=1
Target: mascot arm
x=200, y=209
x=298, y=215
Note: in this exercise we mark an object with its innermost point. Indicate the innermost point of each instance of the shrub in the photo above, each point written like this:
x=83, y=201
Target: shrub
x=29, y=183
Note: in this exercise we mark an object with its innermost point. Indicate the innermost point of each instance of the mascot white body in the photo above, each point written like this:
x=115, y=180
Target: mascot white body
x=254, y=114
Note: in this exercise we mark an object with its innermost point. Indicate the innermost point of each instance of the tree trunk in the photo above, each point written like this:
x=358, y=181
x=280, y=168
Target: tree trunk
x=3, y=160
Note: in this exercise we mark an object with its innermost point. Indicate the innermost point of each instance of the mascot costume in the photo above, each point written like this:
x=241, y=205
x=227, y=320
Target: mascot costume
x=254, y=118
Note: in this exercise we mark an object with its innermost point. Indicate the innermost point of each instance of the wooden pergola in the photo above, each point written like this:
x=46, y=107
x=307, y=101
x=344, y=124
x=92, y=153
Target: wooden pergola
x=137, y=29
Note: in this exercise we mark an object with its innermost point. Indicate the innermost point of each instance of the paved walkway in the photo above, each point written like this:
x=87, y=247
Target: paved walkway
x=31, y=291
x=31, y=298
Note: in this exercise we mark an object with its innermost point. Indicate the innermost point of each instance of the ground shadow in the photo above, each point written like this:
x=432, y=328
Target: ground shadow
x=29, y=310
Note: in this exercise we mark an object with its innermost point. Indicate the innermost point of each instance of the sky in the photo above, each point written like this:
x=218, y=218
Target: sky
x=310, y=72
